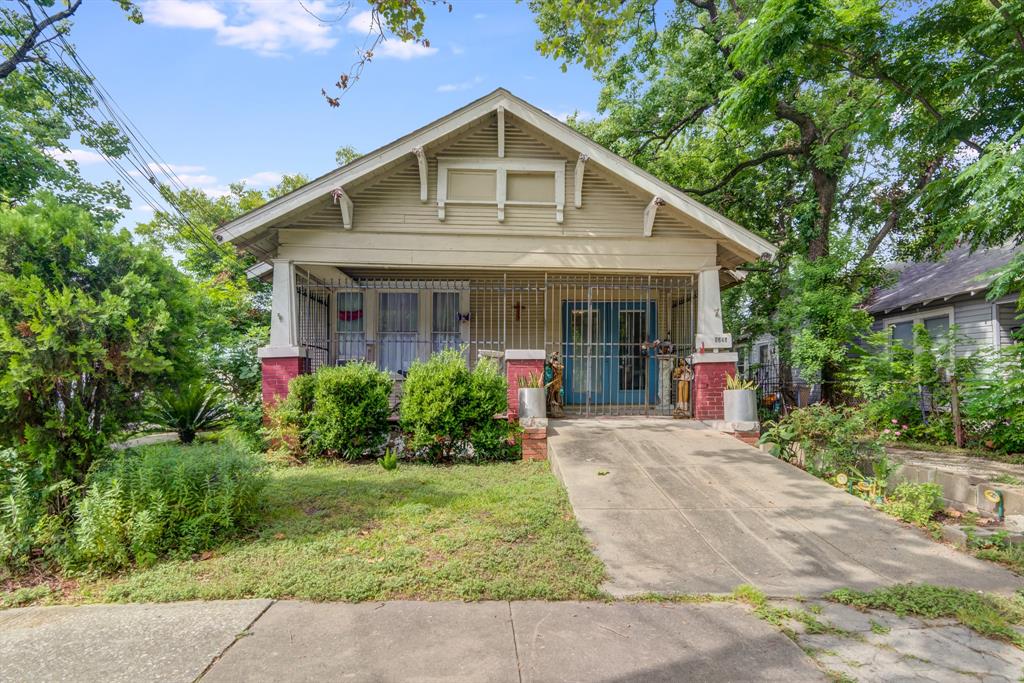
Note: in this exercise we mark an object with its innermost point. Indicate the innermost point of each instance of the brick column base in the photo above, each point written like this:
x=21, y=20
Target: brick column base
x=535, y=439
x=709, y=387
x=277, y=372
x=516, y=368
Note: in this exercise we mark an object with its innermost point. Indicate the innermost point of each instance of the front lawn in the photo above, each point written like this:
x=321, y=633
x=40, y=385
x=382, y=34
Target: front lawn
x=358, y=532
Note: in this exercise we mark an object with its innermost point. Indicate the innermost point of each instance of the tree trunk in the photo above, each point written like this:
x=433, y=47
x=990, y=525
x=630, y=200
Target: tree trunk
x=825, y=185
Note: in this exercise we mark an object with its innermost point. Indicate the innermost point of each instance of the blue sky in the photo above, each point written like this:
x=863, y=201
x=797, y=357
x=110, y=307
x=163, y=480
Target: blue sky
x=227, y=91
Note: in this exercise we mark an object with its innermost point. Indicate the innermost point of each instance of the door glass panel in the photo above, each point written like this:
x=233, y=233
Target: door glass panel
x=587, y=368
x=351, y=326
x=632, y=362
x=445, y=332
x=399, y=327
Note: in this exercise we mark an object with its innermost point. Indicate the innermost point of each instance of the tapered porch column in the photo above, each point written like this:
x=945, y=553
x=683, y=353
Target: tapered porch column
x=712, y=361
x=283, y=358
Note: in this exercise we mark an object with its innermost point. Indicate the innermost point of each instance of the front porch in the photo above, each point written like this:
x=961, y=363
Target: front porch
x=617, y=337
x=612, y=342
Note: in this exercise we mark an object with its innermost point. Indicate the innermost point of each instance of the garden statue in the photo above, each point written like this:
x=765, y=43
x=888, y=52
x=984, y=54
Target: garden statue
x=553, y=381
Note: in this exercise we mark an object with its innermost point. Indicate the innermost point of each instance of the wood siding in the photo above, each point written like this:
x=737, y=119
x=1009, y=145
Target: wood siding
x=391, y=204
x=973, y=319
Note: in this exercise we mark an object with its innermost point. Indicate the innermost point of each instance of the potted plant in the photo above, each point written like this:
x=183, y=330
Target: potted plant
x=739, y=400
x=531, y=396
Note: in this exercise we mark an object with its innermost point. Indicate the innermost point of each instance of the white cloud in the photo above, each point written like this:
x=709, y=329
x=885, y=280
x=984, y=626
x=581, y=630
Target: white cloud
x=268, y=28
x=263, y=179
x=479, y=15
x=389, y=48
x=82, y=156
x=456, y=87
x=457, y=49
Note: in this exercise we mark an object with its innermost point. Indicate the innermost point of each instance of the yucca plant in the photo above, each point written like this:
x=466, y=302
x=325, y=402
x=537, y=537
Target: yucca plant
x=189, y=409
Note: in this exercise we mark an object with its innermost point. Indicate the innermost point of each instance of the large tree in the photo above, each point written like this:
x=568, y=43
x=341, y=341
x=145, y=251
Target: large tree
x=835, y=128
x=45, y=101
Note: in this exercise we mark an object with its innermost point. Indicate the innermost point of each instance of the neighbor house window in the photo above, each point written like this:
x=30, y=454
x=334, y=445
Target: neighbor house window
x=904, y=333
x=937, y=327
x=351, y=326
x=399, y=329
x=936, y=322
x=445, y=329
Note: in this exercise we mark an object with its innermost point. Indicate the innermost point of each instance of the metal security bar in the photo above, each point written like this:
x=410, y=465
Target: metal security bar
x=615, y=338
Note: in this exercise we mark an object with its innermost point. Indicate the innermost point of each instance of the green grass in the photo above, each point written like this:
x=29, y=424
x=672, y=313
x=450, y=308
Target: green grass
x=990, y=615
x=359, y=532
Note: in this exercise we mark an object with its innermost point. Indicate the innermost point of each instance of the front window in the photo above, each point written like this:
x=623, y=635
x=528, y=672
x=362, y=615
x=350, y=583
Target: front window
x=351, y=326
x=445, y=332
x=399, y=330
x=904, y=333
x=937, y=327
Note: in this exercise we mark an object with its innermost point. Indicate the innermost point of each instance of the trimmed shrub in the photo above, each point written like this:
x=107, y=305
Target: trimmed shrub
x=348, y=414
x=449, y=411
x=165, y=499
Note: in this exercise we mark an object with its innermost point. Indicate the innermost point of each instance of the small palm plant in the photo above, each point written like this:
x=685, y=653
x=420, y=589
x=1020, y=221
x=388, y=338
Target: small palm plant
x=191, y=408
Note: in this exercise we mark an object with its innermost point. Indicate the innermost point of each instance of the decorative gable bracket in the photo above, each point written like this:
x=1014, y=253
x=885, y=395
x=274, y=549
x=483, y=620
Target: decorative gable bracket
x=342, y=200
x=578, y=181
x=421, y=162
x=649, y=214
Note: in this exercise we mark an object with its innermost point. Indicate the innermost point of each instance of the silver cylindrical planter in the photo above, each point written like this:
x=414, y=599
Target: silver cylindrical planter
x=740, y=405
x=531, y=402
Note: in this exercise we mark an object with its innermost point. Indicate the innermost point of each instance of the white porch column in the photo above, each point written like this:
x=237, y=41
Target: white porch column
x=283, y=330
x=710, y=333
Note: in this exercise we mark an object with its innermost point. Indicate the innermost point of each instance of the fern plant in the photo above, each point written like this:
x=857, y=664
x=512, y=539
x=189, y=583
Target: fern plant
x=189, y=409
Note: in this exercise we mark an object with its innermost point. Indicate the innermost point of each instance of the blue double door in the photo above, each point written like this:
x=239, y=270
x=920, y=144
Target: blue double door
x=605, y=362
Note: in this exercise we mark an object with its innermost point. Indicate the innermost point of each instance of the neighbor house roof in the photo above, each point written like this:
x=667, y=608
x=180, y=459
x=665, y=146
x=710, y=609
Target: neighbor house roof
x=958, y=272
x=243, y=228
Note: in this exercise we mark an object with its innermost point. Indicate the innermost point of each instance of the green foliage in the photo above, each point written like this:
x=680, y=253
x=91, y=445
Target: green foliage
x=389, y=461
x=349, y=412
x=832, y=439
x=45, y=101
x=993, y=402
x=445, y=408
x=914, y=503
x=88, y=322
x=162, y=500
x=989, y=615
x=26, y=499
x=189, y=408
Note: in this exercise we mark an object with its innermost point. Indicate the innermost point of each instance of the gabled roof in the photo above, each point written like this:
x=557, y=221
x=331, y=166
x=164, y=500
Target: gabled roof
x=745, y=242
x=958, y=272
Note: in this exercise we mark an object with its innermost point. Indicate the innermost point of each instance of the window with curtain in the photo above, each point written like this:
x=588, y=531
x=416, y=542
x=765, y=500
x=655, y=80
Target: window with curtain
x=445, y=327
x=399, y=330
x=351, y=326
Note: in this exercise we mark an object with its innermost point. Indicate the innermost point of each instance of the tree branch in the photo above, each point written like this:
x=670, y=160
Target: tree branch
x=749, y=163
x=899, y=206
x=1009, y=22
x=29, y=42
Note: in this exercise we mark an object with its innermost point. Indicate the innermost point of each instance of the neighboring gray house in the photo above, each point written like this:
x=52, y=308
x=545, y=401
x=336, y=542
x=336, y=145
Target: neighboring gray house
x=950, y=291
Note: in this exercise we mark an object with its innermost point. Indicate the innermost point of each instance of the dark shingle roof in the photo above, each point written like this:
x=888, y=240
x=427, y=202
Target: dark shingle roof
x=957, y=272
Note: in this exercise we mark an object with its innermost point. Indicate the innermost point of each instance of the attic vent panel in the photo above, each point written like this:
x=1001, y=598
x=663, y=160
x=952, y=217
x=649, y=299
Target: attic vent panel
x=534, y=188
x=472, y=185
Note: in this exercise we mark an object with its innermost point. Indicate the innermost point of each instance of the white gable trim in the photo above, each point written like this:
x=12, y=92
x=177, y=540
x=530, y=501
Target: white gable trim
x=752, y=246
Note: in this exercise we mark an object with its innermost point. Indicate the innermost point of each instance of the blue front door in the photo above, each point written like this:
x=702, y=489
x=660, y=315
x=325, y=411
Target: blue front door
x=605, y=362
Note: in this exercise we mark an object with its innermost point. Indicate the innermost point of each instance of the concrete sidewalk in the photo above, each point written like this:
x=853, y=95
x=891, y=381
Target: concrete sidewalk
x=396, y=641
x=677, y=507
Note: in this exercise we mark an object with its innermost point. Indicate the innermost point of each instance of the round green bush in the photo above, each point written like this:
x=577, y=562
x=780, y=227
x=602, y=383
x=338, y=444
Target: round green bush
x=446, y=408
x=349, y=413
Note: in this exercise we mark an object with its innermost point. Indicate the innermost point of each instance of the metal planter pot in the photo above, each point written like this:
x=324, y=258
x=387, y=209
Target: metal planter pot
x=532, y=403
x=740, y=405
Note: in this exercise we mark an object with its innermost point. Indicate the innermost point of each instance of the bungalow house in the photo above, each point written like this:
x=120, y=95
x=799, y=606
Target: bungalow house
x=501, y=231
x=947, y=292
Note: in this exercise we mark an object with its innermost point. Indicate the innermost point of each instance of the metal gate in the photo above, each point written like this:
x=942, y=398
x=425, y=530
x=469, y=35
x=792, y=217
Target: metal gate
x=614, y=338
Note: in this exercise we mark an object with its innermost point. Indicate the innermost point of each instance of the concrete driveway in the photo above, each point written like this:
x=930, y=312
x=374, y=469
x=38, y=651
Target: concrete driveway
x=677, y=507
